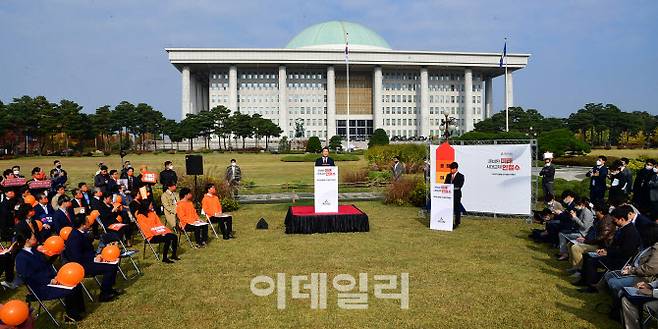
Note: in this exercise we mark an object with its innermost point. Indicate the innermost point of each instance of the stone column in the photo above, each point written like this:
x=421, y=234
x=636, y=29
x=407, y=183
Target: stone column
x=424, y=121
x=193, y=94
x=185, y=93
x=377, y=87
x=283, y=100
x=233, y=88
x=468, y=100
x=331, y=103
x=488, y=98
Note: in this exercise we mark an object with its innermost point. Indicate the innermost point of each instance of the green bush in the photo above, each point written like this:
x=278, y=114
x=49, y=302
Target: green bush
x=412, y=155
x=378, y=137
x=380, y=177
x=581, y=187
x=230, y=204
x=581, y=160
x=483, y=135
x=284, y=145
x=314, y=145
x=335, y=143
x=310, y=157
x=559, y=141
x=417, y=197
x=406, y=191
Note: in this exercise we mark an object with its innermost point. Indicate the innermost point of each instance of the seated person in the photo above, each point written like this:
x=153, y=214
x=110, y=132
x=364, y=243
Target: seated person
x=189, y=219
x=155, y=232
x=552, y=207
x=561, y=221
x=44, y=212
x=7, y=266
x=64, y=215
x=212, y=207
x=27, y=223
x=109, y=218
x=79, y=249
x=599, y=236
x=32, y=267
x=631, y=309
x=623, y=246
x=582, y=218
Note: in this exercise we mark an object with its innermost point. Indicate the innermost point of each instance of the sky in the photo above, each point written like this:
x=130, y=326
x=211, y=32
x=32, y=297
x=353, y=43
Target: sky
x=103, y=52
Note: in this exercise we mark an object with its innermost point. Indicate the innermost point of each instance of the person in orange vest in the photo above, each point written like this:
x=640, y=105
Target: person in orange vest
x=189, y=219
x=213, y=209
x=155, y=232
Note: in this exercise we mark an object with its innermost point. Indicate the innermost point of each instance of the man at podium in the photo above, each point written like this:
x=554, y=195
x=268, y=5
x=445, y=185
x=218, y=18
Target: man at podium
x=325, y=160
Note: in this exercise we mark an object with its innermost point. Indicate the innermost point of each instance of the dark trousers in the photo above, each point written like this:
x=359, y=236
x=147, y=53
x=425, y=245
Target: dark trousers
x=200, y=232
x=7, y=266
x=590, y=274
x=169, y=240
x=73, y=299
x=547, y=188
x=457, y=210
x=108, y=271
x=597, y=196
x=225, y=225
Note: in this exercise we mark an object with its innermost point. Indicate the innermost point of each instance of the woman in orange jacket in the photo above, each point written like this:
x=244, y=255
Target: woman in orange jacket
x=155, y=232
x=213, y=209
x=188, y=218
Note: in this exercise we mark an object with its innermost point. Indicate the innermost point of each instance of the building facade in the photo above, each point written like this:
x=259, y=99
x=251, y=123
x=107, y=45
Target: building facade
x=305, y=85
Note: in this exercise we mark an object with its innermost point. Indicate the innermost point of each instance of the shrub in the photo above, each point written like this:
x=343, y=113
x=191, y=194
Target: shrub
x=310, y=157
x=418, y=194
x=399, y=192
x=336, y=142
x=314, y=145
x=284, y=145
x=485, y=135
x=379, y=177
x=354, y=176
x=378, y=137
x=229, y=204
x=413, y=155
x=581, y=187
x=581, y=160
x=559, y=141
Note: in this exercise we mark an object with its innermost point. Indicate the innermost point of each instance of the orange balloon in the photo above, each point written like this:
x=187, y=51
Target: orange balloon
x=93, y=215
x=39, y=225
x=110, y=253
x=118, y=200
x=54, y=244
x=64, y=232
x=14, y=312
x=29, y=199
x=70, y=274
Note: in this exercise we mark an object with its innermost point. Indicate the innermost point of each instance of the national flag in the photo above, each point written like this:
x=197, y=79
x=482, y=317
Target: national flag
x=504, y=55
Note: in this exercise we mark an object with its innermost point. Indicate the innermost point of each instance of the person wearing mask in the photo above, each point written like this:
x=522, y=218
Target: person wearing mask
x=79, y=249
x=398, y=168
x=169, y=199
x=598, y=175
x=168, y=176
x=599, y=236
x=189, y=219
x=583, y=218
x=234, y=175
x=57, y=171
x=618, y=183
x=16, y=171
x=324, y=160
x=624, y=245
x=653, y=192
x=457, y=180
x=212, y=207
x=155, y=232
x=547, y=174
x=628, y=175
x=102, y=179
x=32, y=267
x=100, y=165
x=124, y=168
x=641, y=186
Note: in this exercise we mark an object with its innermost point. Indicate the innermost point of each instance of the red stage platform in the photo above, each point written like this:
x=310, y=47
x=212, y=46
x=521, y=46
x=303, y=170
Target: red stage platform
x=304, y=219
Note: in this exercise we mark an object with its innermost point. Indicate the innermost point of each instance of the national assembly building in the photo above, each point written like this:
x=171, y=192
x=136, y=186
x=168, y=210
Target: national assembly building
x=404, y=92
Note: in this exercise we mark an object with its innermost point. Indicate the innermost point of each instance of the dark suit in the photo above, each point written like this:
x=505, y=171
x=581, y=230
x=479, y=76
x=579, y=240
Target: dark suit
x=322, y=161
x=597, y=184
x=624, y=245
x=167, y=177
x=7, y=215
x=45, y=215
x=37, y=273
x=82, y=203
x=647, y=229
x=101, y=182
x=61, y=220
x=79, y=249
x=458, y=183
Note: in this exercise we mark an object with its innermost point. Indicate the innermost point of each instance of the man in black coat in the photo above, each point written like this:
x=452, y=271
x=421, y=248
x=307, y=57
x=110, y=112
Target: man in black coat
x=624, y=245
x=102, y=179
x=325, y=160
x=641, y=186
x=598, y=175
x=548, y=177
x=8, y=214
x=457, y=180
x=168, y=176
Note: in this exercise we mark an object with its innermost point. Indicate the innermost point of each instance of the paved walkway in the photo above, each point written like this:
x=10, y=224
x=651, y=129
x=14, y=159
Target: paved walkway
x=568, y=173
x=291, y=196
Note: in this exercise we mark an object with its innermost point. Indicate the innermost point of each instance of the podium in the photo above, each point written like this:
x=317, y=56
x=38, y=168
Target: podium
x=326, y=189
x=441, y=214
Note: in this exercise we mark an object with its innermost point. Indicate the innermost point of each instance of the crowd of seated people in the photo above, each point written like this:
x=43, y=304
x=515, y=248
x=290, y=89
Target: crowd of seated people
x=108, y=213
x=610, y=242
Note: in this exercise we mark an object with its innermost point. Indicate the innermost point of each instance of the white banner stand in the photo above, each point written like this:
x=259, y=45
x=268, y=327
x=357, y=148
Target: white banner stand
x=441, y=216
x=326, y=189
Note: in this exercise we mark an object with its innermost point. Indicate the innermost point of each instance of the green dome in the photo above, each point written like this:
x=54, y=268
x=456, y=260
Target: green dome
x=331, y=35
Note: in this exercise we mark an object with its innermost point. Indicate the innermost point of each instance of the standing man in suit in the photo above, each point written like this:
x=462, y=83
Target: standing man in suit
x=398, y=168
x=168, y=176
x=598, y=175
x=628, y=174
x=233, y=177
x=548, y=177
x=457, y=180
x=325, y=160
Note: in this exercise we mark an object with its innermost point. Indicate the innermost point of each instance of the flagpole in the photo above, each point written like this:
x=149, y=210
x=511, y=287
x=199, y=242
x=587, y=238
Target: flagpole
x=347, y=65
x=506, y=91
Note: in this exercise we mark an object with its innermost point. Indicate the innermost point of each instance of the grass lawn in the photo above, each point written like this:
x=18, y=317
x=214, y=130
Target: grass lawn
x=629, y=153
x=266, y=170
x=487, y=274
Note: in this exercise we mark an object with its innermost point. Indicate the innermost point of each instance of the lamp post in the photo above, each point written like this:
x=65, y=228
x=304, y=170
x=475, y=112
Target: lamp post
x=446, y=122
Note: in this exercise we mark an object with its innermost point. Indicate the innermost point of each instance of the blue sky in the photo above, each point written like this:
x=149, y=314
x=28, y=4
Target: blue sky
x=103, y=52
